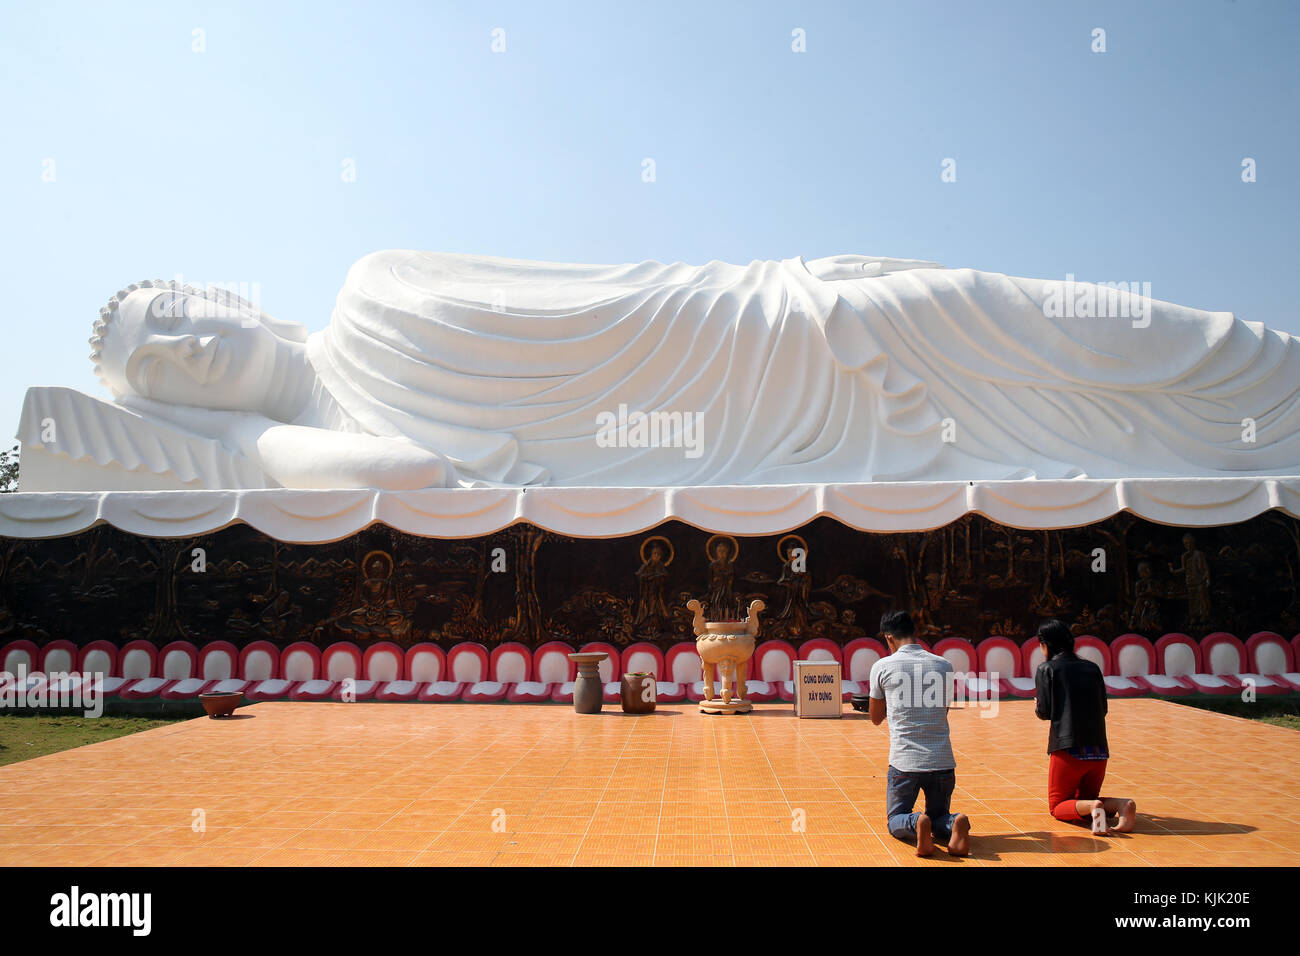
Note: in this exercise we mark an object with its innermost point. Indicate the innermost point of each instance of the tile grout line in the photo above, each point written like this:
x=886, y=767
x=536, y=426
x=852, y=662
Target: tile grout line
x=663, y=793
x=600, y=799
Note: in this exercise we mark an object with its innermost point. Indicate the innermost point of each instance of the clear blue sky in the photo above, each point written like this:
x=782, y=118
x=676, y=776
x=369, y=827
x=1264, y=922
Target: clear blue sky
x=225, y=166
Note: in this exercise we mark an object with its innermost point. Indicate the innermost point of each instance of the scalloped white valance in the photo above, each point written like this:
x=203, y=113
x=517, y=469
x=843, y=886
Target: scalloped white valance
x=308, y=516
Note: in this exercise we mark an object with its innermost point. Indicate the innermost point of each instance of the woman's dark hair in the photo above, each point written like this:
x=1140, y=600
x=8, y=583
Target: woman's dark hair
x=1056, y=636
x=897, y=623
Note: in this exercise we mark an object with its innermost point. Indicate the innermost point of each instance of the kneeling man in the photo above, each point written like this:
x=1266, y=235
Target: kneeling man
x=912, y=688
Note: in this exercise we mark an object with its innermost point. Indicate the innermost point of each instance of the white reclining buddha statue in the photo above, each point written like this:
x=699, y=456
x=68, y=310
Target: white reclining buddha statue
x=440, y=370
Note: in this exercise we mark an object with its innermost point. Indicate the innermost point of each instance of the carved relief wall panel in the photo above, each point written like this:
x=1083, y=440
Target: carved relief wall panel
x=972, y=579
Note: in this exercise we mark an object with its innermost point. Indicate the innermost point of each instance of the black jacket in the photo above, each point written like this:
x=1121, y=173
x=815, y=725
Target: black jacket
x=1072, y=695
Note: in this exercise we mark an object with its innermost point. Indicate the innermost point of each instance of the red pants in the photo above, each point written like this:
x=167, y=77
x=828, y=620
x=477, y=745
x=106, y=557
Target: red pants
x=1070, y=779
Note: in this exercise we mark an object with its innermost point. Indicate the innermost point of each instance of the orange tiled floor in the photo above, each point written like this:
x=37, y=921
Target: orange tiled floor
x=329, y=784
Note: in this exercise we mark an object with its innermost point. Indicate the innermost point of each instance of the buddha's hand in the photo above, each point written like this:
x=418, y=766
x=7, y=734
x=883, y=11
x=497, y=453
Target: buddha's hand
x=296, y=456
x=863, y=267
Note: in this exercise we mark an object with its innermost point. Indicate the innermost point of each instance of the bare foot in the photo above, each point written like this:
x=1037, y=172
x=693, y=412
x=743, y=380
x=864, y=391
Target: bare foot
x=1099, y=820
x=1127, y=817
x=924, y=836
x=959, y=842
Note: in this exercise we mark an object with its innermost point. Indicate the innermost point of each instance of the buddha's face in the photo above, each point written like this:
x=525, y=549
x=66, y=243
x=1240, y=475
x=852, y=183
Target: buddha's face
x=184, y=349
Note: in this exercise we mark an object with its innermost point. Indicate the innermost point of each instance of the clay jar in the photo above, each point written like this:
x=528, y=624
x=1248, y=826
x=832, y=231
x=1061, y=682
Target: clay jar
x=639, y=693
x=588, y=691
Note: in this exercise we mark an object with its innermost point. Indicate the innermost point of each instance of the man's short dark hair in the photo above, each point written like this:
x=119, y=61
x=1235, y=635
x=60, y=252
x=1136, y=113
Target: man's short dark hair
x=897, y=623
x=1056, y=636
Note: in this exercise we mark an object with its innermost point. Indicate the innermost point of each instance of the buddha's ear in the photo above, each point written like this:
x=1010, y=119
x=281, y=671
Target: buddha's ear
x=247, y=312
x=292, y=331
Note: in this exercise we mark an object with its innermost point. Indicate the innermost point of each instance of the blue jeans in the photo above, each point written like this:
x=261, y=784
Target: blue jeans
x=900, y=797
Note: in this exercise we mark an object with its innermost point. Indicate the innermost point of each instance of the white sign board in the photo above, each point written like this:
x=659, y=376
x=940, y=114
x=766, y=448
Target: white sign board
x=818, y=691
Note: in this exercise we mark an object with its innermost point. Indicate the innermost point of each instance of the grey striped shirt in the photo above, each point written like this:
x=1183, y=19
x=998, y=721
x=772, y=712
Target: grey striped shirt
x=917, y=688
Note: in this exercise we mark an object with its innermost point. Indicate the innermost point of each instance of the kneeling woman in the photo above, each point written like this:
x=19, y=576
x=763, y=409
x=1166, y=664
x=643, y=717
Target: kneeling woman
x=1072, y=695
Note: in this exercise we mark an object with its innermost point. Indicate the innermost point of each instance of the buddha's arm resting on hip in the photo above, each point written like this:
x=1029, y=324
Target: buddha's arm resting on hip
x=299, y=456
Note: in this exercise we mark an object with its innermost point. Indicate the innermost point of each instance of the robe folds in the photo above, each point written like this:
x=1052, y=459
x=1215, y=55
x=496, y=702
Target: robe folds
x=849, y=369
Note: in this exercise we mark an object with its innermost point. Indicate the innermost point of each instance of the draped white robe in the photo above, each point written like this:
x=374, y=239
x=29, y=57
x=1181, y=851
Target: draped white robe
x=845, y=370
